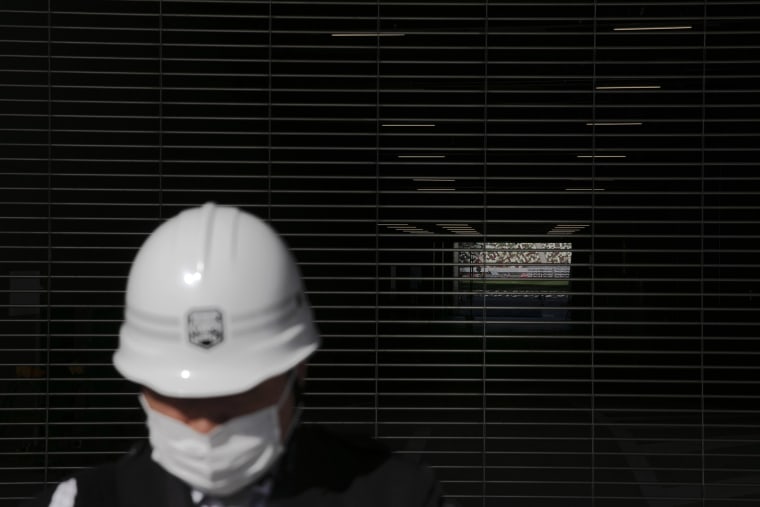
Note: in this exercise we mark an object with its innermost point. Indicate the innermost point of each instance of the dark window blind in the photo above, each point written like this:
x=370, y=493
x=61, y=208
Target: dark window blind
x=529, y=230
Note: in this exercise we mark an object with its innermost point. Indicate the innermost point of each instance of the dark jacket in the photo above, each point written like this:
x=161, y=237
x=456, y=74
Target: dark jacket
x=319, y=469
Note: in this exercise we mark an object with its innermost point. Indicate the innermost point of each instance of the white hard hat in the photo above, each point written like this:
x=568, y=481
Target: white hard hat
x=214, y=306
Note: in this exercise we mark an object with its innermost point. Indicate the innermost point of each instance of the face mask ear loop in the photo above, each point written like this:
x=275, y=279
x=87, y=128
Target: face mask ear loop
x=298, y=393
x=287, y=391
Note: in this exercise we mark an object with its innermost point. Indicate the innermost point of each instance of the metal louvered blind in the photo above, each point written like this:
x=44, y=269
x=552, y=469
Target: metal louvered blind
x=529, y=229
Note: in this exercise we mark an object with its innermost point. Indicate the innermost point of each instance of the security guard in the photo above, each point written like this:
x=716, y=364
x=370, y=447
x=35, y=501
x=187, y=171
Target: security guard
x=217, y=331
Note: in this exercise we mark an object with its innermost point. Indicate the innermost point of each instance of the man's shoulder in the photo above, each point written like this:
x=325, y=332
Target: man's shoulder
x=358, y=469
x=93, y=485
x=345, y=449
x=322, y=434
x=76, y=489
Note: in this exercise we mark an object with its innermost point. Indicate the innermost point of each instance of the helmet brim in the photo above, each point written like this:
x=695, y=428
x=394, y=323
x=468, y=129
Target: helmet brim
x=197, y=376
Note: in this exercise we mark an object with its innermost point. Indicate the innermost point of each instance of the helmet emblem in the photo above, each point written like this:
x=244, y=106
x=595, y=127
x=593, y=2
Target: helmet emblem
x=204, y=328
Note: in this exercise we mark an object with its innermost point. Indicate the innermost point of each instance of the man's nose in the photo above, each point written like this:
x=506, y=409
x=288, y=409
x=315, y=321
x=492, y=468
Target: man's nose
x=203, y=424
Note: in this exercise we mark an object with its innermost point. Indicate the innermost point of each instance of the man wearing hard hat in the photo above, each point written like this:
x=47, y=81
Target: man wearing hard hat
x=217, y=330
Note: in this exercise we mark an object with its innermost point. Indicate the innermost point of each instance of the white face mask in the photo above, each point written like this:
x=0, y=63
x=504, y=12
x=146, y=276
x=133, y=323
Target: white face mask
x=225, y=460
